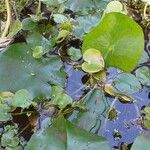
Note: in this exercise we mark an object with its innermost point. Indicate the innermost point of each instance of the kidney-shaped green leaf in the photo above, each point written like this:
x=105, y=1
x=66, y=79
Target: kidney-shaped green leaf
x=63, y=135
x=19, y=70
x=119, y=39
x=93, y=61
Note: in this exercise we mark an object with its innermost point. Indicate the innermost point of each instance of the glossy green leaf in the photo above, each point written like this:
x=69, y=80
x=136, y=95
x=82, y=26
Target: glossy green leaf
x=118, y=38
x=141, y=142
x=19, y=70
x=93, y=61
x=22, y=98
x=63, y=135
x=143, y=74
x=126, y=83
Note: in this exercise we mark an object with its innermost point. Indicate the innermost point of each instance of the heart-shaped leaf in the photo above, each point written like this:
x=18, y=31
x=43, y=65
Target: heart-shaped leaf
x=93, y=61
x=118, y=38
x=19, y=70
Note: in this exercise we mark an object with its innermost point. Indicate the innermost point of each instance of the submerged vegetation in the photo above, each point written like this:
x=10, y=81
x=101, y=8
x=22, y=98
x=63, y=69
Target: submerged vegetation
x=72, y=73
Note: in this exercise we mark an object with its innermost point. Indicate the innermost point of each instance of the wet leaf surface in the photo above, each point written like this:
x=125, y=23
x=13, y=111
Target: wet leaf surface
x=19, y=70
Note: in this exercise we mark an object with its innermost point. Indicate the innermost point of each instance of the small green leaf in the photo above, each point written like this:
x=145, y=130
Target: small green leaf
x=118, y=38
x=126, y=83
x=9, y=137
x=16, y=27
x=38, y=52
x=143, y=74
x=22, y=98
x=36, y=39
x=59, y=18
x=58, y=97
x=114, y=6
x=74, y=53
x=28, y=24
x=5, y=114
x=141, y=142
x=63, y=34
x=93, y=61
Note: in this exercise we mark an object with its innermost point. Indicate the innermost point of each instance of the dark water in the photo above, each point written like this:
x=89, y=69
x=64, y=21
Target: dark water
x=127, y=122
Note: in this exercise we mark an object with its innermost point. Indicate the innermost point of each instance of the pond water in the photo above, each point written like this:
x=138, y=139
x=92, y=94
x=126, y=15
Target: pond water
x=126, y=127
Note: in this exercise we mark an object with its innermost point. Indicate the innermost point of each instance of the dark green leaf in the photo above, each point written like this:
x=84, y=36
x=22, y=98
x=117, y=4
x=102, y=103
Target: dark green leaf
x=63, y=135
x=19, y=70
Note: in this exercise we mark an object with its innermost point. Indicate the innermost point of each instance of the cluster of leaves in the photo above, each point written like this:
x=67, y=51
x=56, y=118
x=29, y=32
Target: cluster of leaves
x=33, y=70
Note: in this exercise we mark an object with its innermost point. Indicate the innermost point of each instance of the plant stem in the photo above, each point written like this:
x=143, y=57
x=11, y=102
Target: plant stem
x=39, y=8
x=145, y=8
x=8, y=19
